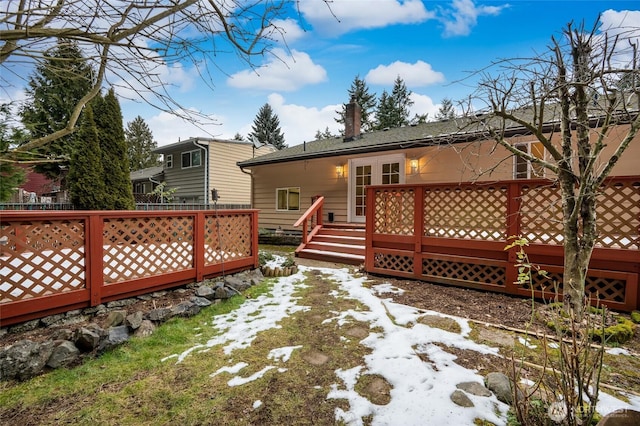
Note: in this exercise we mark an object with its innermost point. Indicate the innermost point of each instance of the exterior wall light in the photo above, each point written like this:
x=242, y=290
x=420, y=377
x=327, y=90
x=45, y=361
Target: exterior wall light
x=414, y=164
x=340, y=171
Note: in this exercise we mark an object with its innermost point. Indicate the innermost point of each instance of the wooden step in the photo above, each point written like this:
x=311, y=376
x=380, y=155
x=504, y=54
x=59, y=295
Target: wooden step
x=337, y=242
x=346, y=258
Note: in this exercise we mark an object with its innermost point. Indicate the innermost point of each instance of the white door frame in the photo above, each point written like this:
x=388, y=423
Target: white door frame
x=376, y=178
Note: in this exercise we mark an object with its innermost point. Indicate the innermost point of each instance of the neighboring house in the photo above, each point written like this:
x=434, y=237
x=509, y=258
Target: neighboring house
x=144, y=182
x=37, y=188
x=197, y=166
x=286, y=181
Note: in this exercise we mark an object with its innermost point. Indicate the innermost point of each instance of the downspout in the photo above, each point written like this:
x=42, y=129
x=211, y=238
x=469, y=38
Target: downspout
x=250, y=174
x=205, y=148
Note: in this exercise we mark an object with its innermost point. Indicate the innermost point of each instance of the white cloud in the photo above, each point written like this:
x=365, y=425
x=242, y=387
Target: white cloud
x=414, y=75
x=341, y=16
x=168, y=128
x=283, y=71
x=300, y=123
x=423, y=104
x=463, y=16
x=287, y=29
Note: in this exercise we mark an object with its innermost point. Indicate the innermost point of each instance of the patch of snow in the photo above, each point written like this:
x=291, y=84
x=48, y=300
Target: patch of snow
x=387, y=288
x=618, y=351
x=231, y=370
x=257, y=404
x=525, y=342
x=238, y=381
x=282, y=354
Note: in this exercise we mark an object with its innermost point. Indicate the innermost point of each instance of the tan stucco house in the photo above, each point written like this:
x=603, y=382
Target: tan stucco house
x=196, y=166
x=285, y=182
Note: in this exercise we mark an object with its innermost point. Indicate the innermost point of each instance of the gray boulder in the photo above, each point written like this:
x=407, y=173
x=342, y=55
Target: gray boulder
x=461, y=399
x=500, y=385
x=116, y=336
x=159, y=314
x=116, y=317
x=134, y=320
x=24, y=359
x=88, y=338
x=64, y=353
x=185, y=309
x=204, y=291
x=474, y=388
x=146, y=329
x=200, y=301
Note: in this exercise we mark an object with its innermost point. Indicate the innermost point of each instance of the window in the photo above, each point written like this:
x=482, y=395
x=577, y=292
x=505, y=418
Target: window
x=288, y=199
x=168, y=161
x=523, y=168
x=191, y=159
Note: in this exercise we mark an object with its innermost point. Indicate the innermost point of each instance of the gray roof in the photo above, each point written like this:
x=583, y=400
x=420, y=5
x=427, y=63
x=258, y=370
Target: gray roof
x=456, y=130
x=145, y=174
x=425, y=134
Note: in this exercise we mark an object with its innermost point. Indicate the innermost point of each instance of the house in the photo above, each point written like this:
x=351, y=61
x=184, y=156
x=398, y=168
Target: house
x=285, y=182
x=144, y=182
x=440, y=203
x=198, y=166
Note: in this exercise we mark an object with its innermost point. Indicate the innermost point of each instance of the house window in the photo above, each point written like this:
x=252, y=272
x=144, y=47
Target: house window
x=168, y=161
x=523, y=168
x=288, y=199
x=390, y=173
x=191, y=159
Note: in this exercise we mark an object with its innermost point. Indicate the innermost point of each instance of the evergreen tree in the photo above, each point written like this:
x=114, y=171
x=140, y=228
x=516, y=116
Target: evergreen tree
x=359, y=91
x=11, y=176
x=266, y=128
x=446, y=111
x=325, y=135
x=86, y=176
x=113, y=147
x=393, y=109
x=56, y=86
x=140, y=145
x=238, y=137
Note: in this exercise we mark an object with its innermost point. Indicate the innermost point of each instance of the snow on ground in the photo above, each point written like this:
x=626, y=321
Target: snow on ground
x=421, y=390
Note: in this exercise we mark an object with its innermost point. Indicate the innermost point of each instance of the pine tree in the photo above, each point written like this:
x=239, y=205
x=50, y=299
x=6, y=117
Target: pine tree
x=54, y=89
x=446, y=111
x=359, y=91
x=140, y=145
x=393, y=109
x=86, y=176
x=266, y=128
x=113, y=147
x=11, y=176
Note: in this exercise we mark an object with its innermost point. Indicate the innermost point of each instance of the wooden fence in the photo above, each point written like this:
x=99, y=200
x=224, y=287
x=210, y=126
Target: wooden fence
x=456, y=234
x=52, y=262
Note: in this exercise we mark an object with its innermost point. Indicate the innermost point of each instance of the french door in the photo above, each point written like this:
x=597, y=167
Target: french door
x=384, y=170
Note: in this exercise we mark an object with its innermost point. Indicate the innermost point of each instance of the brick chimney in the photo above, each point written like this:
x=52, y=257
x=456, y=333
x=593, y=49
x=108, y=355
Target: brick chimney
x=352, y=121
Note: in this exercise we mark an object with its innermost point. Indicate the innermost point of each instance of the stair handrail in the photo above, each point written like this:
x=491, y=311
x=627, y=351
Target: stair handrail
x=314, y=210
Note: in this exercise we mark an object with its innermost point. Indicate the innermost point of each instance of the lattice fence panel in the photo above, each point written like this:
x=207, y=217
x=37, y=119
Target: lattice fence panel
x=41, y=258
x=227, y=238
x=541, y=214
x=482, y=274
x=474, y=211
x=142, y=247
x=609, y=289
x=393, y=262
x=618, y=215
x=394, y=211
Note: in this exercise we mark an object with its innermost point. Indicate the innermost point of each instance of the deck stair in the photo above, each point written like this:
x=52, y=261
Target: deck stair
x=342, y=243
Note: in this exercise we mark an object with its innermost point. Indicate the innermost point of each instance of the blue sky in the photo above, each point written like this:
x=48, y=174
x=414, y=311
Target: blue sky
x=431, y=45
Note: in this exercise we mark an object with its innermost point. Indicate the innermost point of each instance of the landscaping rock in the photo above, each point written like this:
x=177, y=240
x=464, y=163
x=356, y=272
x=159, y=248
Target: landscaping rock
x=146, y=329
x=116, y=336
x=24, y=359
x=460, y=398
x=500, y=385
x=185, y=309
x=116, y=318
x=134, y=320
x=87, y=339
x=51, y=320
x=159, y=315
x=62, y=334
x=200, y=301
x=205, y=291
x=24, y=327
x=222, y=293
x=95, y=310
x=121, y=303
x=237, y=283
x=622, y=417
x=64, y=353
x=474, y=388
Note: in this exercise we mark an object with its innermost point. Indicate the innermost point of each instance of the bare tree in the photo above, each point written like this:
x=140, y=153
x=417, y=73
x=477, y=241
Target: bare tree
x=131, y=44
x=575, y=88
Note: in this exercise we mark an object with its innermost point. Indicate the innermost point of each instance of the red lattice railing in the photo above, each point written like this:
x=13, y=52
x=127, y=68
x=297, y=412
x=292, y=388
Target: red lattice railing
x=57, y=261
x=456, y=234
